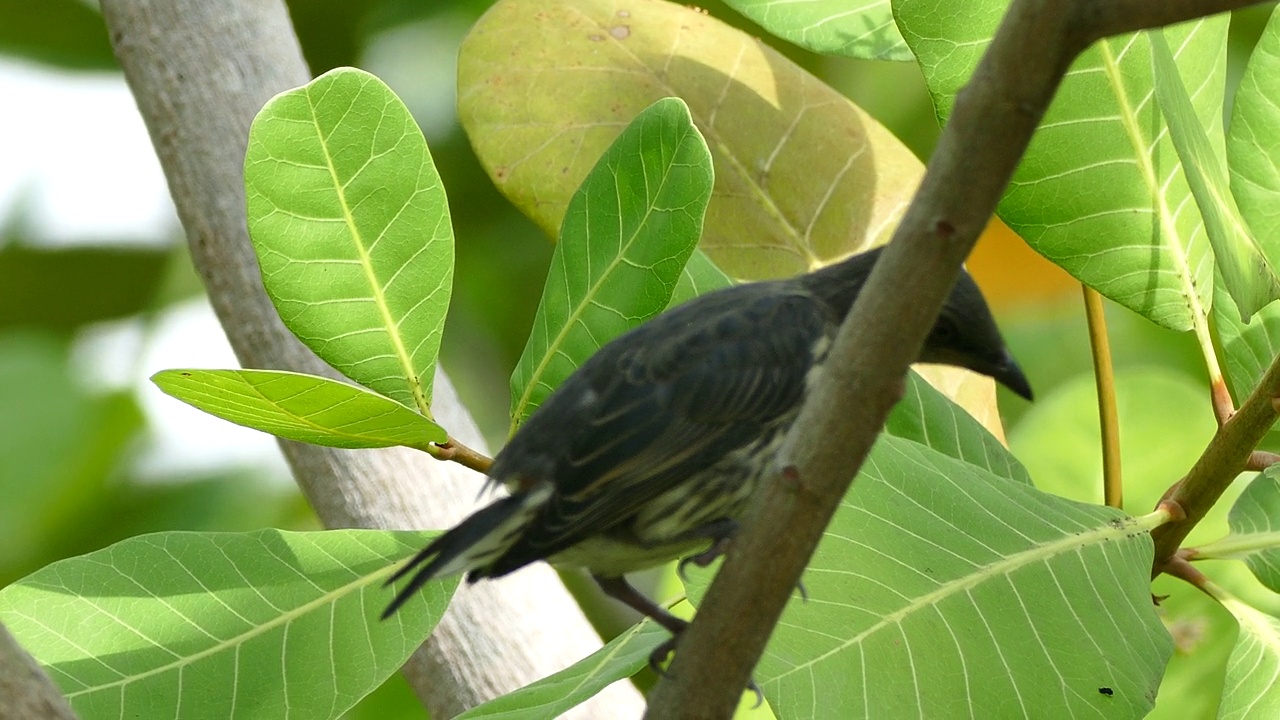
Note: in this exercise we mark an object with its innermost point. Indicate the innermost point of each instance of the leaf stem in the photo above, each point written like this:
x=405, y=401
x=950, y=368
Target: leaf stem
x=1235, y=546
x=1108, y=415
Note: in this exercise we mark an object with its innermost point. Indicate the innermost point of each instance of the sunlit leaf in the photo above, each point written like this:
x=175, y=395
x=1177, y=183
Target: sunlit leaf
x=351, y=227
x=862, y=29
x=221, y=625
x=626, y=238
x=301, y=407
x=1100, y=190
x=700, y=276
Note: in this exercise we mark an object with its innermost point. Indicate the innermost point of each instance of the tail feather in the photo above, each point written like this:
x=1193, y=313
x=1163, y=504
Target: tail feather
x=474, y=543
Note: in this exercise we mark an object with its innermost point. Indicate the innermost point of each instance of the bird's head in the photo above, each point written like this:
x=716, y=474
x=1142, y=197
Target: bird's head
x=966, y=335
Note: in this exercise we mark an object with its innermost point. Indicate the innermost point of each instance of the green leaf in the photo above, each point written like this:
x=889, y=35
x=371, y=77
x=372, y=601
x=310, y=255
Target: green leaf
x=351, y=227
x=219, y=625
x=66, y=288
x=940, y=588
x=1253, y=155
x=863, y=29
x=1100, y=190
x=63, y=33
x=700, y=276
x=803, y=176
x=552, y=696
x=301, y=407
x=1255, y=530
x=1059, y=439
x=931, y=418
x=1250, y=690
x=626, y=238
x=1249, y=276
x=61, y=446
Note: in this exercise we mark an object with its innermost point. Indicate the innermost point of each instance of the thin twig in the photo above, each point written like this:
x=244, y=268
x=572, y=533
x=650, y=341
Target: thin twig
x=992, y=122
x=455, y=451
x=1108, y=415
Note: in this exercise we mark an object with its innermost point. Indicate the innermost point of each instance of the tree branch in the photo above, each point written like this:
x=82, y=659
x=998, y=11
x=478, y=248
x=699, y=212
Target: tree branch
x=990, y=127
x=200, y=71
x=1227, y=455
x=26, y=692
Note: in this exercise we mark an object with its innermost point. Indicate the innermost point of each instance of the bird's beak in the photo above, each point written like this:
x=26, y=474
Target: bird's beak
x=1007, y=373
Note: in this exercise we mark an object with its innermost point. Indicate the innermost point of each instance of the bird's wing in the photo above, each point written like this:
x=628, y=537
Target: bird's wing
x=653, y=410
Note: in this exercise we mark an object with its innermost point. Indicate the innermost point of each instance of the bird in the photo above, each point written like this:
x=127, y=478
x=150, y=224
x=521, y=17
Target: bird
x=650, y=451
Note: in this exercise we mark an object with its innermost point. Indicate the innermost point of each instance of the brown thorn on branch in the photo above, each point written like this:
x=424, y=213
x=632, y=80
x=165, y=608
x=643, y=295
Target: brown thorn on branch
x=1260, y=460
x=454, y=451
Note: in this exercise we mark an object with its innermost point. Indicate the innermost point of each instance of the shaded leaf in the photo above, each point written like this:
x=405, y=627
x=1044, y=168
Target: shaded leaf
x=63, y=33
x=1253, y=155
x=864, y=29
x=700, y=276
x=351, y=227
x=1059, y=439
x=626, y=238
x=803, y=176
x=301, y=407
x=931, y=418
x=276, y=622
x=1251, y=690
x=1100, y=190
x=940, y=587
x=69, y=287
x=1248, y=275
x=552, y=696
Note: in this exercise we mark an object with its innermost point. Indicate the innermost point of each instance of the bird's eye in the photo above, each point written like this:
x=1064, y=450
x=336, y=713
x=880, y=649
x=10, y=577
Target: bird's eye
x=944, y=332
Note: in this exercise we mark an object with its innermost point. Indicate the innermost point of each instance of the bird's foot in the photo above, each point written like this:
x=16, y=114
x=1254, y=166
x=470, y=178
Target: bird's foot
x=705, y=558
x=663, y=651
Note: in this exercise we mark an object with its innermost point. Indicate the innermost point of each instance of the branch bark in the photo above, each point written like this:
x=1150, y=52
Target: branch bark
x=200, y=71
x=24, y=688
x=989, y=129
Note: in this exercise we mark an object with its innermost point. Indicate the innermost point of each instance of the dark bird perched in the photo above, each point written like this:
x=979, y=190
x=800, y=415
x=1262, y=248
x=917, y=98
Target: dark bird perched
x=651, y=450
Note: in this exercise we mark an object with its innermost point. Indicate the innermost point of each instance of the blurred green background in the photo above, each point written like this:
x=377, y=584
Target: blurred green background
x=86, y=316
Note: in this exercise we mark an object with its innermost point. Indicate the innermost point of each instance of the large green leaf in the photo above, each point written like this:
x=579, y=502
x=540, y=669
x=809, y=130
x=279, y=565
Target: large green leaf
x=1248, y=275
x=802, y=175
x=939, y=586
x=626, y=238
x=301, y=407
x=223, y=625
x=1251, y=690
x=552, y=696
x=1059, y=439
x=861, y=29
x=351, y=227
x=1100, y=190
x=1253, y=153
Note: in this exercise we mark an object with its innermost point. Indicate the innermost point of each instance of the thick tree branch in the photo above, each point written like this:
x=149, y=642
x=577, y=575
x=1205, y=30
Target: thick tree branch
x=25, y=691
x=990, y=127
x=200, y=71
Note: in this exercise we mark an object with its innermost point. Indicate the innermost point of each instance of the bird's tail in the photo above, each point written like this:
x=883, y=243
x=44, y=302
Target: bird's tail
x=474, y=543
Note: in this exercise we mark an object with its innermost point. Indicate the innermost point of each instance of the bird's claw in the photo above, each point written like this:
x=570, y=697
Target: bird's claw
x=668, y=646
x=704, y=558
